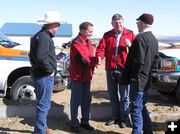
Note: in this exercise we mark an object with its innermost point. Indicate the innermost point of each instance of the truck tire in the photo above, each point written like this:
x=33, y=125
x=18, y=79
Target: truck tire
x=23, y=89
x=177, y=90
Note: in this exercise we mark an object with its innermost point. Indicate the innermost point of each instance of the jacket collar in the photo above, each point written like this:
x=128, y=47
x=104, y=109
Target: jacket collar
x=48, y=32
x=123, y=32
x=83, y=39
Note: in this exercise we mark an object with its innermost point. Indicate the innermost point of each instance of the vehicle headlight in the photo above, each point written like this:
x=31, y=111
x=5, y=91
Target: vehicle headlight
x=60, y=64
x=168, y=65
x=63, y=65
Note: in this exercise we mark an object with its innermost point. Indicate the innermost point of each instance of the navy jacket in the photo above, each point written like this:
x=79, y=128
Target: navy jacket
x=42, y=54
x=143, y=55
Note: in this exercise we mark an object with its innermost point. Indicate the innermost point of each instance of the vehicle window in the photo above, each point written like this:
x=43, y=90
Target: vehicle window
x=6, y=42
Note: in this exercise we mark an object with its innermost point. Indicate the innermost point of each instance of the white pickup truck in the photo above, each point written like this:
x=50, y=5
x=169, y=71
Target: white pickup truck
x=15, y=80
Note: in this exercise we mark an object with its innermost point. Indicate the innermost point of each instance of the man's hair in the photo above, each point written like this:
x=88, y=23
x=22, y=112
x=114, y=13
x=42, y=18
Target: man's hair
x=84, y=25
x=117, y=17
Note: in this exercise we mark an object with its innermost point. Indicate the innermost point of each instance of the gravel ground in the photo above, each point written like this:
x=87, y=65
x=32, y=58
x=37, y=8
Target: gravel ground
x=162, y=108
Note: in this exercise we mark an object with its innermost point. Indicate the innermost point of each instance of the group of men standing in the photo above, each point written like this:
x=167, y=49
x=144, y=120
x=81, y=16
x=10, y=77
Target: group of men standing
x=128, y=63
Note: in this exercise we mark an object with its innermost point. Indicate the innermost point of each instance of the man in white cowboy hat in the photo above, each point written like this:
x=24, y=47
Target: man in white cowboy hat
x=43, y=61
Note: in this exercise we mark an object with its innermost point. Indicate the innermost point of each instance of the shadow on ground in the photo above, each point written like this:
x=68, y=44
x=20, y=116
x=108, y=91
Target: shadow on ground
x=100, y=112
x=162, y=99
x=57, y=123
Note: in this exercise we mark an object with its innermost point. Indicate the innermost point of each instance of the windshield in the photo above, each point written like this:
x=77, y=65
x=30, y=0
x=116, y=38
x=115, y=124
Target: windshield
x=6, y=42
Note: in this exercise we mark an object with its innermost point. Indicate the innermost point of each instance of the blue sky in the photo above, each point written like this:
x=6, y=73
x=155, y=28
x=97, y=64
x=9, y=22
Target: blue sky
x=99, y=12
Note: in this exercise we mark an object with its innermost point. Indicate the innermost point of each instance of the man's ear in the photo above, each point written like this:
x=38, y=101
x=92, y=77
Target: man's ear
x=82, y=31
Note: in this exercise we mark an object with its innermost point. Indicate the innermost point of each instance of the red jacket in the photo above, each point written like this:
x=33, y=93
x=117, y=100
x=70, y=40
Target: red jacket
x=107, y=46
x=82, y=60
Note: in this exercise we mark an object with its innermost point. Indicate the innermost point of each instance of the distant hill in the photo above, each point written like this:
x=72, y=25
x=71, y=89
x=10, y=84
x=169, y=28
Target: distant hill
x=168, y=39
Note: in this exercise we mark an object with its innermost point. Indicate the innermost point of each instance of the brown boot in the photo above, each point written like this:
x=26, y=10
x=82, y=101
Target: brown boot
x=48, y=131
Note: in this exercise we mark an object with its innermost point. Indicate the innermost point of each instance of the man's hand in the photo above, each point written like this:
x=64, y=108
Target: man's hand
x=128, y=44
x=99, y=60
x=94, y=70
x=116, y=75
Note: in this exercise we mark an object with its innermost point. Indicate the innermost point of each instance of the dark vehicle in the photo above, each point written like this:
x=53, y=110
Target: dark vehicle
x=66, y=45
x=167, y=77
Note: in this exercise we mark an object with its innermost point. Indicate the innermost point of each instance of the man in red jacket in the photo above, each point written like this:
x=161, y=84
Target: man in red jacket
x=82, y=63
x=114, y=46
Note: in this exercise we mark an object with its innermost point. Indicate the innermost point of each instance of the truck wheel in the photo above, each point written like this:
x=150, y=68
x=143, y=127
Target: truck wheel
x=178, y=91
x=23, y=89
x=69, y=84
x=61, y=84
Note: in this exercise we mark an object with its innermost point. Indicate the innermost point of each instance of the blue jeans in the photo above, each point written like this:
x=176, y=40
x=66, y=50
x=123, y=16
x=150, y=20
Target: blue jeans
x=80, y=96
x=119, y=98
x=44, y=87
x=139, y=113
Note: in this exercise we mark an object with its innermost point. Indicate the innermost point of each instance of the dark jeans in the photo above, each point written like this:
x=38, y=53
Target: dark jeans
x=119, y=98
x=80, y=96
x=139, y=113
x=44, y=88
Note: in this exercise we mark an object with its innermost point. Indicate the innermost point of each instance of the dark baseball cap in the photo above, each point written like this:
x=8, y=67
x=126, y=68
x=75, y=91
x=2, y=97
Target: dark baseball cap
x=146, y=18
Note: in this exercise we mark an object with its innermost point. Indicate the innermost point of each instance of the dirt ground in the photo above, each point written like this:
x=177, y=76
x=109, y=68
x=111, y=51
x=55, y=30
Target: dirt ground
x=161, y=108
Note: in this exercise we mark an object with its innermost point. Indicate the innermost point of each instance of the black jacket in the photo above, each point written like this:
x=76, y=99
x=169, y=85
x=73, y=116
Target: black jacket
x=143, y=55
x=42, y=54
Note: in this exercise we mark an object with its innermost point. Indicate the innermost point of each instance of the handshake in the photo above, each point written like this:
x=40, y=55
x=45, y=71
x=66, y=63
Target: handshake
x=116, y=75
x=99, y=60
x=95, y=61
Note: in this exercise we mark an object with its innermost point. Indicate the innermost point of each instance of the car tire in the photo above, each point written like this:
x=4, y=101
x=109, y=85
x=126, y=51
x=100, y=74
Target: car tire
x=59, y=86
x=69, y=84
x=22, y=88
x=178, y=97
x=166, y=93
x=178, y=91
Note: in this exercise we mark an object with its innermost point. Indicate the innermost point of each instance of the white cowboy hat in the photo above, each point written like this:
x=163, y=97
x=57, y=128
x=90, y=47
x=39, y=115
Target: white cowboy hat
x=50, y=17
